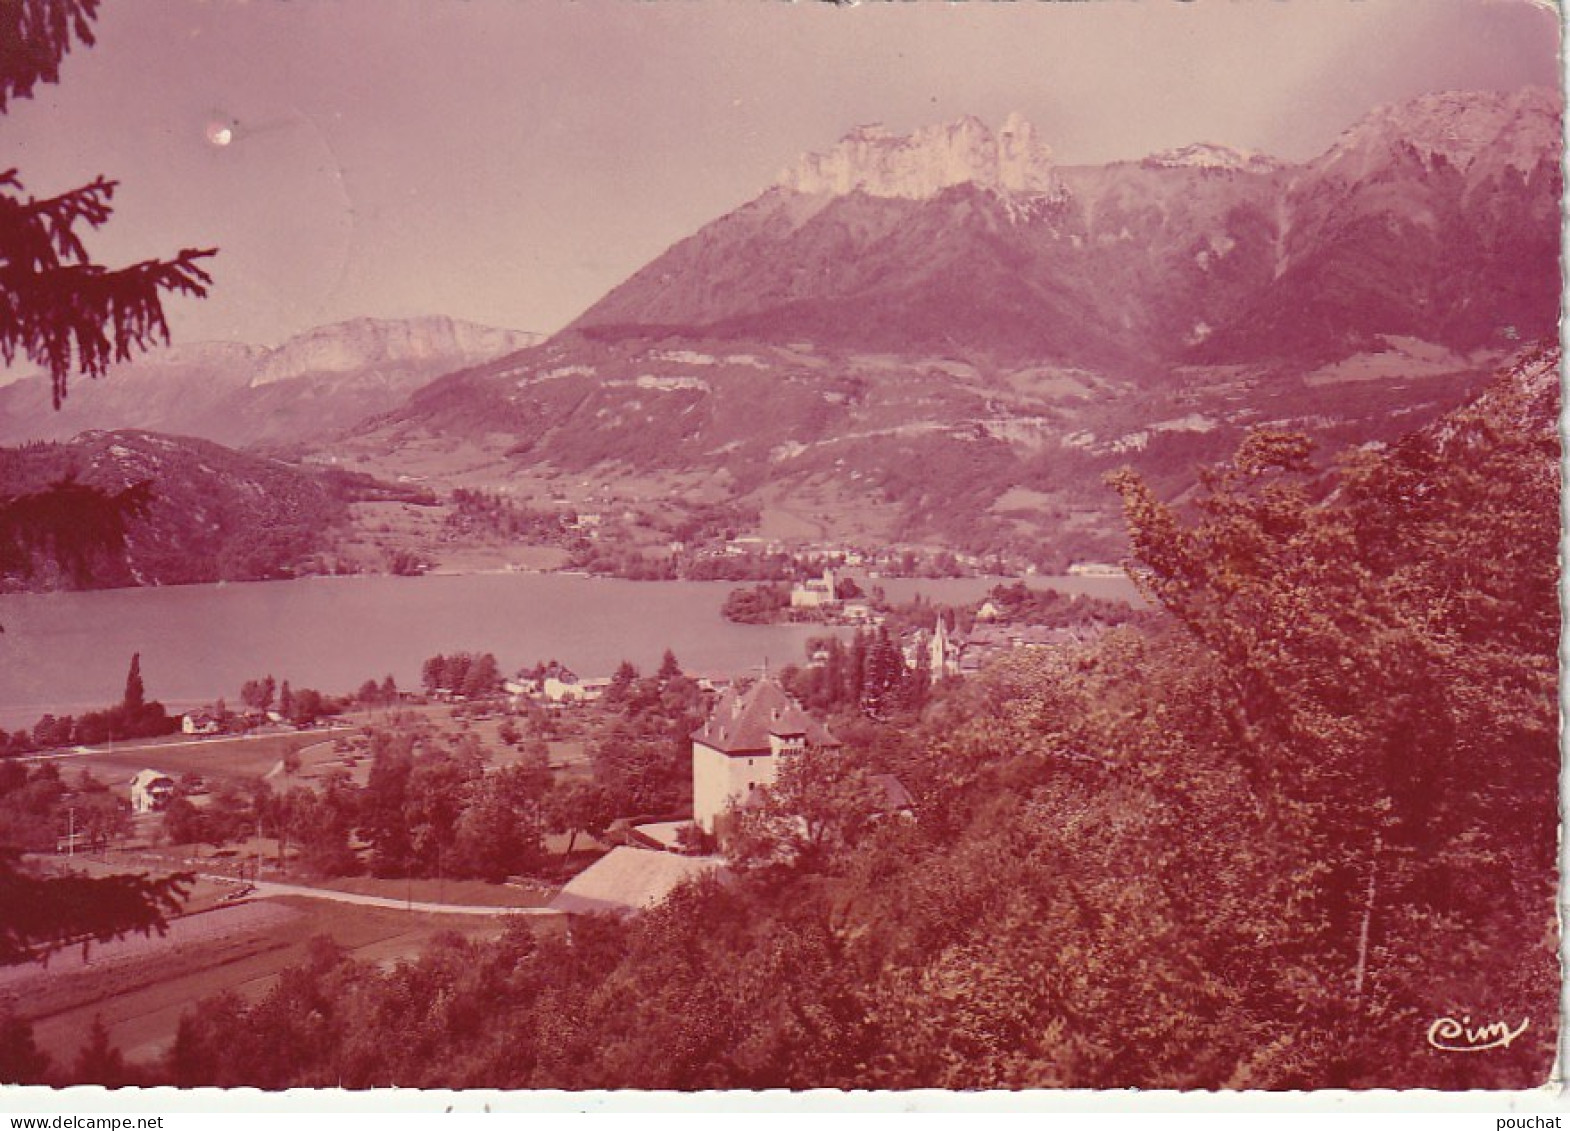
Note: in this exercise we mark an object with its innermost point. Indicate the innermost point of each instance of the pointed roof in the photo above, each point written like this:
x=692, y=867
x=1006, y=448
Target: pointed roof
x=742, y=723
x=627, y=880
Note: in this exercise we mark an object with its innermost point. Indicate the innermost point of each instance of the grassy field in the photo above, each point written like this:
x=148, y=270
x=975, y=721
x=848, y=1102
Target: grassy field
x=234, y=757
x=340, y=747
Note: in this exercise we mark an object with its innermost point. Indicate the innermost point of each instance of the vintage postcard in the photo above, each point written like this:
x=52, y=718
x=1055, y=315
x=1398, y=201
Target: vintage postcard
x=714, y=548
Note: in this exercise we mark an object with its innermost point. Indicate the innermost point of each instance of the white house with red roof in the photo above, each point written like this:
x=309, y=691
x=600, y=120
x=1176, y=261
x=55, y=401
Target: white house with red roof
x=738, y=749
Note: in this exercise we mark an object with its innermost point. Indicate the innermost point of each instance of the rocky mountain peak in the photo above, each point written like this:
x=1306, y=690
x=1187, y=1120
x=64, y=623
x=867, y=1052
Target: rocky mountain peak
x=1473, y=131
x=360, y=342
x=874, y=160
x=1209, y=155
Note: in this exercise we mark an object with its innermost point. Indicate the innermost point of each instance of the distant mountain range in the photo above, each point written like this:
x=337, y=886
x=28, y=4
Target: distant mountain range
x=1436, y=219
x=948, y=337
x=304, y=391
x=944, y=339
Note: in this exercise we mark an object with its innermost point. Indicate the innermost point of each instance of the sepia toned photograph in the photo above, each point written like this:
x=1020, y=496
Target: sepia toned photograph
x=725, y=546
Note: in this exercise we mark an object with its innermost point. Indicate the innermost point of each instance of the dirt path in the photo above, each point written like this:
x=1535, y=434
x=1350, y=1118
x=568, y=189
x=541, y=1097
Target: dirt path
x=185, y=744
x=268, y=889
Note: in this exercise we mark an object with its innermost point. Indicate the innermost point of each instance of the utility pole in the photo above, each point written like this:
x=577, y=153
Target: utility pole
x=70, y=838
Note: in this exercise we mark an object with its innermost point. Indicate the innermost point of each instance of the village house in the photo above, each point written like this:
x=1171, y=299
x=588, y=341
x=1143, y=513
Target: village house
x=200, y=721
x=151, y=791
x=592, y=690
x=745, y=544
x=859, y=612
x=986, y=642
x=739, y=747
x=560, y=687
x=1095, y=569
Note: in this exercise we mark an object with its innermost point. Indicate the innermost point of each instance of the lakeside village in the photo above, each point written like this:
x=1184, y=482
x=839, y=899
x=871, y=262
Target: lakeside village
x=700, y=542
x=583, y=792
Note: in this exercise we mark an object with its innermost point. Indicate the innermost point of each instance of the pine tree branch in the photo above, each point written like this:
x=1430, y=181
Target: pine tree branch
x=35, y=35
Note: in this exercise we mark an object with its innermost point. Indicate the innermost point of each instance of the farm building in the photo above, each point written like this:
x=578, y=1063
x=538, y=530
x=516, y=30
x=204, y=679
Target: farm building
x=628, y=880
x=151, y=791
x=200, y=722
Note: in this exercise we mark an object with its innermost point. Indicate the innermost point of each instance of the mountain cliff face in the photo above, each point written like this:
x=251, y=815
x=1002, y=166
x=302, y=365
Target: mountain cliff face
x=1432, y=219
x=874, y=161
x=378, y=345
x=312, y=386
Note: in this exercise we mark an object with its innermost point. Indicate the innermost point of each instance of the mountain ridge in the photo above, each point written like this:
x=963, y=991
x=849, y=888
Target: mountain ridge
x=913, y=238
x=310, y=386
x=959, y=364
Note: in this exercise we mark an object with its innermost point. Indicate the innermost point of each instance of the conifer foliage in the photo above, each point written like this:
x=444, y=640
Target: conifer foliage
x=58, y=308
x=72, y=316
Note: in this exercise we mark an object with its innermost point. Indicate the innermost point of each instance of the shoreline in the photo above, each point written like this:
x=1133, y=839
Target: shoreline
x=65, y=651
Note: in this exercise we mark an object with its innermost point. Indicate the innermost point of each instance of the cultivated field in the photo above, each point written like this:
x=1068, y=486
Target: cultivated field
x=141, y=986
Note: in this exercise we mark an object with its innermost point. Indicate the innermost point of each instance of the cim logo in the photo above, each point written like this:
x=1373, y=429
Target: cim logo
x=1449, y=1035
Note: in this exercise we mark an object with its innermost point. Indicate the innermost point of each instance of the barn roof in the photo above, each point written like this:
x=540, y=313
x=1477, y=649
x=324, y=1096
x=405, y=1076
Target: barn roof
x=896, y=798
x=626, y=880
x=743, y=721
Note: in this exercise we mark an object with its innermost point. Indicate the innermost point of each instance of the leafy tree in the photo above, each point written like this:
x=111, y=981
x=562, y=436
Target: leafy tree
x=642, y=773
x=620, y=686
x=322, y=824
x=500, y=830
x=258, y=693
x=1391, y=678
x=433, y=673
x=103, y=818
x=483, y=677
x=579, y=807
x=182, y=822
x=821, y=805
x=382, y=819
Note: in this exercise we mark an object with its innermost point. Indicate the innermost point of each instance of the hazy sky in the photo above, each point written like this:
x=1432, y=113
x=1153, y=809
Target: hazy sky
x=509, y=162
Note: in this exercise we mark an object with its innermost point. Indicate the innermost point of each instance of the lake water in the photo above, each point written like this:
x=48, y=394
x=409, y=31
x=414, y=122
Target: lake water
x=68, y=652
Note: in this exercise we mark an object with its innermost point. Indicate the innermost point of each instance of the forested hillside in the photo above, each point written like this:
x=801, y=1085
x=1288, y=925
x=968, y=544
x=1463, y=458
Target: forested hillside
x=1271, y=840
x=205, y=513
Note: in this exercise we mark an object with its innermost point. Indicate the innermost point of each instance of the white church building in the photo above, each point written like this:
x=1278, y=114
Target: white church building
x=738, y=749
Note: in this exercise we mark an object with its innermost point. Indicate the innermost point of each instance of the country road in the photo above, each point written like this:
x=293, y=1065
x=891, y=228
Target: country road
x=267, y=889
x=187, y=744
